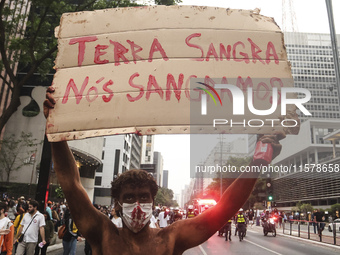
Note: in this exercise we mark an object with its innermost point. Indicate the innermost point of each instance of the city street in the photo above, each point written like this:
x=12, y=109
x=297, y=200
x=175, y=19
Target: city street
x=254, y=243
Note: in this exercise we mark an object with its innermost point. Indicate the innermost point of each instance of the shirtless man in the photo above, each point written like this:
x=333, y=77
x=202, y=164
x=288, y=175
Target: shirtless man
x=134, y=195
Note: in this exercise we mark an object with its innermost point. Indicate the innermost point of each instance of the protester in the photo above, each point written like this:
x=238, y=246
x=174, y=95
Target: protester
x=134, y=192
x=71, y=236
x=153, y=222
x=319, y=219
x=6, y=231
x=49, y=232
x=32, y=224
x=48, y=209
x=55, y=218
x=163, y=218
x=12, y=210
x=17, y=226
x=116, y=219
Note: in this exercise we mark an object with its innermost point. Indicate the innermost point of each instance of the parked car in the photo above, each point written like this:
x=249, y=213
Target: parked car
x=337, y=225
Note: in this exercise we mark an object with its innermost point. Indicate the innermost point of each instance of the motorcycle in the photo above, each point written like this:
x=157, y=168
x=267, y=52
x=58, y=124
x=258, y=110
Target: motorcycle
x=269, y=226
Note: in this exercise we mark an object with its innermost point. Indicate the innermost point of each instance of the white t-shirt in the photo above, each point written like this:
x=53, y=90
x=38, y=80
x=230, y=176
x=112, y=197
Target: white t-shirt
x=5, y=222
x=117, y=222
x=31, y=235
x=153, y=222
x=163, y=222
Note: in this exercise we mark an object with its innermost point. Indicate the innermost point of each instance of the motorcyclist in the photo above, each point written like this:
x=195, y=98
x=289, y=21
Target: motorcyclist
x=241, y=224
x=266, y=215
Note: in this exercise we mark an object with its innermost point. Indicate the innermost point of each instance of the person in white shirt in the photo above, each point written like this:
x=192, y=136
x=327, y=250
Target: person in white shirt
x=153, y=222
x=116, y=219
x=32, y=223
x=163, y=218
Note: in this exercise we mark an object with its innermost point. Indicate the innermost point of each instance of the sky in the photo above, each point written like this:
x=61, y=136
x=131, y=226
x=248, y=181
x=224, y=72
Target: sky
x=311, y=17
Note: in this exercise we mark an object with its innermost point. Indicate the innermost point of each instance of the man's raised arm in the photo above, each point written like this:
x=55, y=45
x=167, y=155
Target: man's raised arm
x=206, y=224
x=84, y=214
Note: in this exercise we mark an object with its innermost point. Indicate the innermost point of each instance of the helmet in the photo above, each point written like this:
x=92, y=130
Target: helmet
x=190, y=207
x=241, y=210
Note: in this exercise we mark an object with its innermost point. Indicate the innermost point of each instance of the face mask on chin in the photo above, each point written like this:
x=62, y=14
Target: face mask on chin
x=136, y=216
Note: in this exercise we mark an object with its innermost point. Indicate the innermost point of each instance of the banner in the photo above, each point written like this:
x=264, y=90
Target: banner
x=130, y=70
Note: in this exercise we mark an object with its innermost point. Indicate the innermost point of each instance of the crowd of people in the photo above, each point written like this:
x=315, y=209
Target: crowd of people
x=14, y=223
x=24, y=230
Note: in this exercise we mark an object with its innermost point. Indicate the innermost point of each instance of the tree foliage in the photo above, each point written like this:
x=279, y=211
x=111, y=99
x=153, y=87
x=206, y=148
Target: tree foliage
x=165, y=197
x=335, y=208
x=16, y=152
x=28, y=38
x=303, y=207
x=59, y=192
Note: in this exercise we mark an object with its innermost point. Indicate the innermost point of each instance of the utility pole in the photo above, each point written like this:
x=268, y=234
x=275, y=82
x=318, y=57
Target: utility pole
x=221, y=163
x=334, y=46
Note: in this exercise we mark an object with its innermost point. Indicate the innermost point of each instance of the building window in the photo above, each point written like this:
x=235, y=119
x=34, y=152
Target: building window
x=98, y=181
x=103, y=154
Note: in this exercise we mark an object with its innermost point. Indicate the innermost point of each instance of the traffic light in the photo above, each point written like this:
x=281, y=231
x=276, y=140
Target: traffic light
x=270, y=198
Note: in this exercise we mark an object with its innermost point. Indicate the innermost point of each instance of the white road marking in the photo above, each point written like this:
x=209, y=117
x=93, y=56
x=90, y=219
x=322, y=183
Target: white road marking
x=262, y=247
x=202, y=250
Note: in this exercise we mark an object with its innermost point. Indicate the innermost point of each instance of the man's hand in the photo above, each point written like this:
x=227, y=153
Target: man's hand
x=274, y=141
x=49, y=101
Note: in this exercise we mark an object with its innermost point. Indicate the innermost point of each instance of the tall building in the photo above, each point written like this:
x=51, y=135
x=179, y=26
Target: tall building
x=136, y=145
x=312, y=65
x=120, y=153
x=158, y=161
x=311, y=163
x=165, y=183
x=147, y=149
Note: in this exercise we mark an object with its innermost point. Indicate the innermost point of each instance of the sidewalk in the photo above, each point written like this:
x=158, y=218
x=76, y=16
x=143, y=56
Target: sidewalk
x=314, y=238
x=58, y=245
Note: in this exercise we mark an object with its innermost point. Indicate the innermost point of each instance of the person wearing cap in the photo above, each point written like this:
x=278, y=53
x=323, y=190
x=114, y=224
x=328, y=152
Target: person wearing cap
x=48, y=209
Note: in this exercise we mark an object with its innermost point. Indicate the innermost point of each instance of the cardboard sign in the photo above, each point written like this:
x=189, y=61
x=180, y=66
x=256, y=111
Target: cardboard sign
x=131, y=70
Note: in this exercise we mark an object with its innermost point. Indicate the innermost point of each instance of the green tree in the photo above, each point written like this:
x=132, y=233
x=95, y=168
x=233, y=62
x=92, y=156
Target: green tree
x=335, y=208
x=165, y=196
x=59, y=192
x=167, y=2
x=16, y=152
x=28, y=38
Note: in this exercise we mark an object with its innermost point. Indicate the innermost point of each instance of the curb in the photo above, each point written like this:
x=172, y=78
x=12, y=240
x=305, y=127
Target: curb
x=54, y=247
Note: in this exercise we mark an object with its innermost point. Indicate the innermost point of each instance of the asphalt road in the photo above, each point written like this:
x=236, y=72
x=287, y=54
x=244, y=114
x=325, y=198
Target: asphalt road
x=254, y=243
